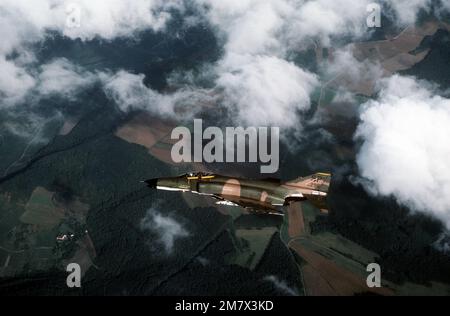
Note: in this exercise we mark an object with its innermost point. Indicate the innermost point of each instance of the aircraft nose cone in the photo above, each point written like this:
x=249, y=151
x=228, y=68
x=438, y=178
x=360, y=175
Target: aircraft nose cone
x=151, y=183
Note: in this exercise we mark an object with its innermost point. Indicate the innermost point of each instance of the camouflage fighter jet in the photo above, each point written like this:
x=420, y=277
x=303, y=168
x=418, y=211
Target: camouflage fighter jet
x=259, y=196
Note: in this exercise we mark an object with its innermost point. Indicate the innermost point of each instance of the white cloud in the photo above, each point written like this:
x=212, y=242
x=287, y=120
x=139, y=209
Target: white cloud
x=443, y=243
x=324, y=19
x=345, y=63
x=253, y=26
x=346, y=72
x=281, y=285
x=59, y=77
x=258, y=84
x=446, y=5
x=100, y=18
x=166, y=227
x=406, y=149
x=15, y=82
x=256, y=80
x=258, y=35
x=63, y=78
x=129, y=92
x=109, y=19
x=23, y=23
x=265, y=90
x=246, y=89
x=29, y=126
x=406, y=10
x=250, y=26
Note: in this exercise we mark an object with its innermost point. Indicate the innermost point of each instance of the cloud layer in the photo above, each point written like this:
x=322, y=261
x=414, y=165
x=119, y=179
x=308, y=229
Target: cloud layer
x=257, y=37
x=24, y=23
x=405, y=146
x=265, y=90
x=84, y=19
x=129, y=92
x=166, y=228
x=259, y=82
x=406, y=10
x=281, y=285
x=59, y=77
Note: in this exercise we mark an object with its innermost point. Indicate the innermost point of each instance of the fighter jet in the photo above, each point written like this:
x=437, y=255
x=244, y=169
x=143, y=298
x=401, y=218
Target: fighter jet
x=258, y=196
